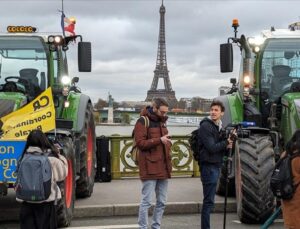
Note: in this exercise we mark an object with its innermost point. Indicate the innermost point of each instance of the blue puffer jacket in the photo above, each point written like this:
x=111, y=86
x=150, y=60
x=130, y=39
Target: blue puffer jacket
x=214, y=145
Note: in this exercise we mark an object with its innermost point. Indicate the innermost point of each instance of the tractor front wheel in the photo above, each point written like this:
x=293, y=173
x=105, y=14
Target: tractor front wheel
x=85, y=183
x=254, y=160
x=65, y=205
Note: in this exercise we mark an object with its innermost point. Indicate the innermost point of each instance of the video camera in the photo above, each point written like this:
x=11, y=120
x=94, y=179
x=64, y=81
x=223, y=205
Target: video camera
x=239, y=128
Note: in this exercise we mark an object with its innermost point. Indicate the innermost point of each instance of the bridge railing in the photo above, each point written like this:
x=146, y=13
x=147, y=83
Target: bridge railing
x=122, y=164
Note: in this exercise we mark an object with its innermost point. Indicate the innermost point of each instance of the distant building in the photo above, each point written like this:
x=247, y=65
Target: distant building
x=195, y=104
x=125, y=109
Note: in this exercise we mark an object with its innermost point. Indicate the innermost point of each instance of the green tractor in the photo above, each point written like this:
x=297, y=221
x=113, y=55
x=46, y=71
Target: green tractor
x=29, y=64
x=268, y=95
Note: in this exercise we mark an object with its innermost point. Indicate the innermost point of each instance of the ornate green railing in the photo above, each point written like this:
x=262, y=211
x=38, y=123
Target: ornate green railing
x=123, y=165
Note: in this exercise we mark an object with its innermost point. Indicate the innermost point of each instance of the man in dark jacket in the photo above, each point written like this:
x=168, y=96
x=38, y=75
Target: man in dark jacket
x=154, y=160
x=211, y=157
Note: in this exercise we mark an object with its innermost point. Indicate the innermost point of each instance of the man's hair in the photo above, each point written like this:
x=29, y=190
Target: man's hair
x=38, y=139
x=217, y=103
x=158, y=102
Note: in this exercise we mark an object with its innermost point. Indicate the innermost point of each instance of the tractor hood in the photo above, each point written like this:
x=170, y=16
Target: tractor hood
x=290, y=119
x=11, y=101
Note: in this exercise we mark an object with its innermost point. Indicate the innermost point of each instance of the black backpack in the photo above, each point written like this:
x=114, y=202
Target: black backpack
x=195, y=144
x=282, y=179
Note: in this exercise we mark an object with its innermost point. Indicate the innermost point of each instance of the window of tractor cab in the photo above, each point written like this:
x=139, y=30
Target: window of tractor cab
x=280, y=67
x=24, y=60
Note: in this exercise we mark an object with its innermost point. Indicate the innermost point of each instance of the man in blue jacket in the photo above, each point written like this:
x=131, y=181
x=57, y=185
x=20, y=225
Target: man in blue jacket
x=211, y=157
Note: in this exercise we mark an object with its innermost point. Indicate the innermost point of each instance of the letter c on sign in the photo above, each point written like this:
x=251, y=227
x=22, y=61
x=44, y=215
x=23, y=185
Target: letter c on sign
x=42, y=102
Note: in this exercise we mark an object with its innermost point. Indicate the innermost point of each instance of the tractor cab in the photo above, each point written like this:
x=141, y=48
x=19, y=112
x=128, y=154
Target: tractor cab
x=279, y=67
x=31, y=62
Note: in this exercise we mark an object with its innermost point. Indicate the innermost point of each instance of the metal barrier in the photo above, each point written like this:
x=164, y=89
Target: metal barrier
x=122, y=164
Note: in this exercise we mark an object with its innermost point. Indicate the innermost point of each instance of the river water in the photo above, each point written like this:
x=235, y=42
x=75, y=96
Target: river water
x=177, y=125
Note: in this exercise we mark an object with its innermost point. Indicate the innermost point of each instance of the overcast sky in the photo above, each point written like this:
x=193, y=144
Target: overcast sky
x=124, y=36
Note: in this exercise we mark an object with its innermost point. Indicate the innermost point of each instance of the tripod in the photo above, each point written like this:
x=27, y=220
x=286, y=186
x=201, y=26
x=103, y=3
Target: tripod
x=227, y=169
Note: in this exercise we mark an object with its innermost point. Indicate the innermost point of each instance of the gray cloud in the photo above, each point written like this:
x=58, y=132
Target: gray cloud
x=124, y=36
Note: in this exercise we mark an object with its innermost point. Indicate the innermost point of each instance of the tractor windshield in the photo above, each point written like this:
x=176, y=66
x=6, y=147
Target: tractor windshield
x=23, y=61
x=280, y=67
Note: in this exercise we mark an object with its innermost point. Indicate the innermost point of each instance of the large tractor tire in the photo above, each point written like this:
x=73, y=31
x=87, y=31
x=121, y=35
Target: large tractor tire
x=65, y=205
x=254, y=160
x=85, y=183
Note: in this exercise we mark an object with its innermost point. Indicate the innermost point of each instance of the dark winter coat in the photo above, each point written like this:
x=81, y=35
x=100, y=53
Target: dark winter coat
x=154, y=157
x=214, y=144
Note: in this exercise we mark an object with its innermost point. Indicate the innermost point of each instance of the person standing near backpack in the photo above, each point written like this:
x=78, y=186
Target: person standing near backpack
x=154, y=160
x=42, y=214
x=214, y=146
x=291, y=207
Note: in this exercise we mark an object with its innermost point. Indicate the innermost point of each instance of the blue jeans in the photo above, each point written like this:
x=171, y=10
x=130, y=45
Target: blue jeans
x=209, y=177
x=149, y=186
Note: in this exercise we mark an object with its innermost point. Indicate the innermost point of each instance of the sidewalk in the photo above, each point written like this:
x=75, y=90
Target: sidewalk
x=122, y=197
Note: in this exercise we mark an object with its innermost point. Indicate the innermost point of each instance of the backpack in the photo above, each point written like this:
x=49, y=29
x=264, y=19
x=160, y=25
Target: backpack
x=195, y=144
x=282, y=179
x=134, y=152
x=34, y=175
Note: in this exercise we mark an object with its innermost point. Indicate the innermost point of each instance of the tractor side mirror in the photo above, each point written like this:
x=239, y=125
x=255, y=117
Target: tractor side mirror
x=233, y=81
x=226, y=57
x=84, y=56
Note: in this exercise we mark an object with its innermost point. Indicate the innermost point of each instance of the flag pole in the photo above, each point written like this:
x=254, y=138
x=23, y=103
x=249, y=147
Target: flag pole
x=62, y=20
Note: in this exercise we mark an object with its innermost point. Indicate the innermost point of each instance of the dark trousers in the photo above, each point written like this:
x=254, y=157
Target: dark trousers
x=38, y=216
x=209, y=177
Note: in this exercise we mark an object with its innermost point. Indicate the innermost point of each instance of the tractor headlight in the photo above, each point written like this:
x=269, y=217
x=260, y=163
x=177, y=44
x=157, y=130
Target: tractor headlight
x=51, y=39
x=58, y=39
x=256, y=49
x=256, y=43
x=247, y=80
x=65, y=80
x=66, y=104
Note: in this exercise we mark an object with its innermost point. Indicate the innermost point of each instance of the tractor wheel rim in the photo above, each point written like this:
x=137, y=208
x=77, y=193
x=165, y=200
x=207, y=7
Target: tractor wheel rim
x=89, y=152
x=69, y=185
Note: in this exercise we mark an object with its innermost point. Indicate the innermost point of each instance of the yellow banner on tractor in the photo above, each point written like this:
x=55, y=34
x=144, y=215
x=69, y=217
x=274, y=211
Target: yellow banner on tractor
x=38, y=114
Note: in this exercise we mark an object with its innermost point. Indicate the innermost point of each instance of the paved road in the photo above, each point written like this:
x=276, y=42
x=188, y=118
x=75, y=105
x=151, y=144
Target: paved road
x=117, y=202
x=122, y=197
x=183, y=221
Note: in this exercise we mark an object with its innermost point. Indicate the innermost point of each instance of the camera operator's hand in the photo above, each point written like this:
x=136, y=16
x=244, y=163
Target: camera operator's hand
x=232, y=137
x=166, y=139
x=229, y=143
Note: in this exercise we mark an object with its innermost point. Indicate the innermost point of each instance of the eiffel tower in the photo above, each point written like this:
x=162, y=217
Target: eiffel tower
x=161, y=70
